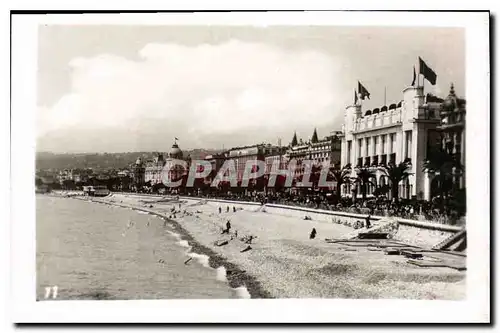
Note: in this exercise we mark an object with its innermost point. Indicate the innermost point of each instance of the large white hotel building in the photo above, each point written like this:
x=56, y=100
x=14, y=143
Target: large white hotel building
x=391, y=134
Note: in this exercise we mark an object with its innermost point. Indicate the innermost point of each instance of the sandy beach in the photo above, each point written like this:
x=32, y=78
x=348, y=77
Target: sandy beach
x=284, y=263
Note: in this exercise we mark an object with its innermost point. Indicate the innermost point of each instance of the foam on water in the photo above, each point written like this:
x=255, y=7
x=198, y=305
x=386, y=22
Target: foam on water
x=176, y=235
x=201, y=258
x=242, y=292
x=221, y=274
x=184, y=243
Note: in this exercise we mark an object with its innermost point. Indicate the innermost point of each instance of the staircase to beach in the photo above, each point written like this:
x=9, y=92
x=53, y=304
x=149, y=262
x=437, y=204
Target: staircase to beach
x=456, y=242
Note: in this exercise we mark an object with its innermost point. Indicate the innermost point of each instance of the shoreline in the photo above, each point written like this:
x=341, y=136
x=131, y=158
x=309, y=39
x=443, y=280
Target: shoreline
x=285, y=263
x=235, y=276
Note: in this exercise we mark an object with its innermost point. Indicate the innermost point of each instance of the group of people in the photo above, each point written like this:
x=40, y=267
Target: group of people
x=410, y=209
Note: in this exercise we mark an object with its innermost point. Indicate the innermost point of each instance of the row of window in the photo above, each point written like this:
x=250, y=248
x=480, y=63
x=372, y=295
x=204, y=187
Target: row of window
x=381, y=144
x=376, y=160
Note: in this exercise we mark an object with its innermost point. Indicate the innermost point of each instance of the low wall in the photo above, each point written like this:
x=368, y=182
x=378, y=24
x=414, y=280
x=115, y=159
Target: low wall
x=419, y=233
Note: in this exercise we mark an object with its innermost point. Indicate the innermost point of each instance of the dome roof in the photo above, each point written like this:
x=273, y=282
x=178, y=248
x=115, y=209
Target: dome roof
x=175, y=152
x=452, y=102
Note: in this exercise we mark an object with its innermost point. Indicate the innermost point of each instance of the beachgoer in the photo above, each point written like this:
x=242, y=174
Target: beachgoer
x=228, y=226
x=367, y=222
x=220, y=210
x=227, y=209
x=312, y=235
x=234, y=209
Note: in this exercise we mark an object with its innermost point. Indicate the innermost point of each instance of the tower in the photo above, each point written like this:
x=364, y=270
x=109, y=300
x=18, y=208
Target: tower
x=294, y=140
x=314, y=138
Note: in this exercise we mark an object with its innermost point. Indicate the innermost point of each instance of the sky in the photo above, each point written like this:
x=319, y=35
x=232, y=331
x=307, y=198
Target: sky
x=135, y=88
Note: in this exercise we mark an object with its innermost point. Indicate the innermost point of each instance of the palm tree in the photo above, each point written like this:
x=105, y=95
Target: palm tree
x=445, y=166
x=341, y=176
x=363, y=177
x=396, y=173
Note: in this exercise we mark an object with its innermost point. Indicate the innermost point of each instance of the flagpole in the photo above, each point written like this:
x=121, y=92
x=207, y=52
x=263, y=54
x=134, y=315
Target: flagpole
x=385, y=95
x=418, y=74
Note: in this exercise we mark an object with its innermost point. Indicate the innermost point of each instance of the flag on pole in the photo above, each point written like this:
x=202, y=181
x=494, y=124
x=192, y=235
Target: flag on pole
x=176, y=139
x=414, y=77
x=362, y=91
x=427, y=72
x=355, y=97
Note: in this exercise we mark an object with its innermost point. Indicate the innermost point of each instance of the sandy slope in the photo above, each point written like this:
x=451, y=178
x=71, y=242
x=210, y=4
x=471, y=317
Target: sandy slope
x=288, y=264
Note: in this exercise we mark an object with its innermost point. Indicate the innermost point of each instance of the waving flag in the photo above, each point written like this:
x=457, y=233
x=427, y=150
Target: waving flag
x=427, y=72
x=362, y=91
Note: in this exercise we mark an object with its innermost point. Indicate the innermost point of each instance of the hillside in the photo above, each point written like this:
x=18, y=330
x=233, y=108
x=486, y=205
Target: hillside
x=101, y=161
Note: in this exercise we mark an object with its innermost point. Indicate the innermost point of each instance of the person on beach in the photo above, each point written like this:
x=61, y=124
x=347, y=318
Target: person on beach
x=312, y=235
x=227, y=209
x=234, y=209
x=249, y=239
x=220, y=210
x=228, y=226
x=367, y=222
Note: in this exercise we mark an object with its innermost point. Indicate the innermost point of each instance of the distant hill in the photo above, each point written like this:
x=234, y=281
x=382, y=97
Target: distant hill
x=102, y=161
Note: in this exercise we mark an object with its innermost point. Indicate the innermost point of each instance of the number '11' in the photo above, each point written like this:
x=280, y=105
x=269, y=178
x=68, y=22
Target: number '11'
x=48, y=290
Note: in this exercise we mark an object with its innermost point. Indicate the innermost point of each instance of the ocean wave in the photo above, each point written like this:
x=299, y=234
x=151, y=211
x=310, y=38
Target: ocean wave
x=220, y=274
x=242, y=292
x=184, y=243
x=201, y=258
x=176, y=235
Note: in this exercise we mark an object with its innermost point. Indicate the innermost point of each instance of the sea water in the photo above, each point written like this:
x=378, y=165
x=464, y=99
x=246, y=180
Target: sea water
x=87, y=250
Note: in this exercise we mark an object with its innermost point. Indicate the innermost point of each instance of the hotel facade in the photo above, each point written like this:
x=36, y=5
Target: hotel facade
x=403, y=130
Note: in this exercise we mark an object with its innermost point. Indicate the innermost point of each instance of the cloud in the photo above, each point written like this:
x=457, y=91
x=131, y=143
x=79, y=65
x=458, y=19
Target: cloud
x=198, y=93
